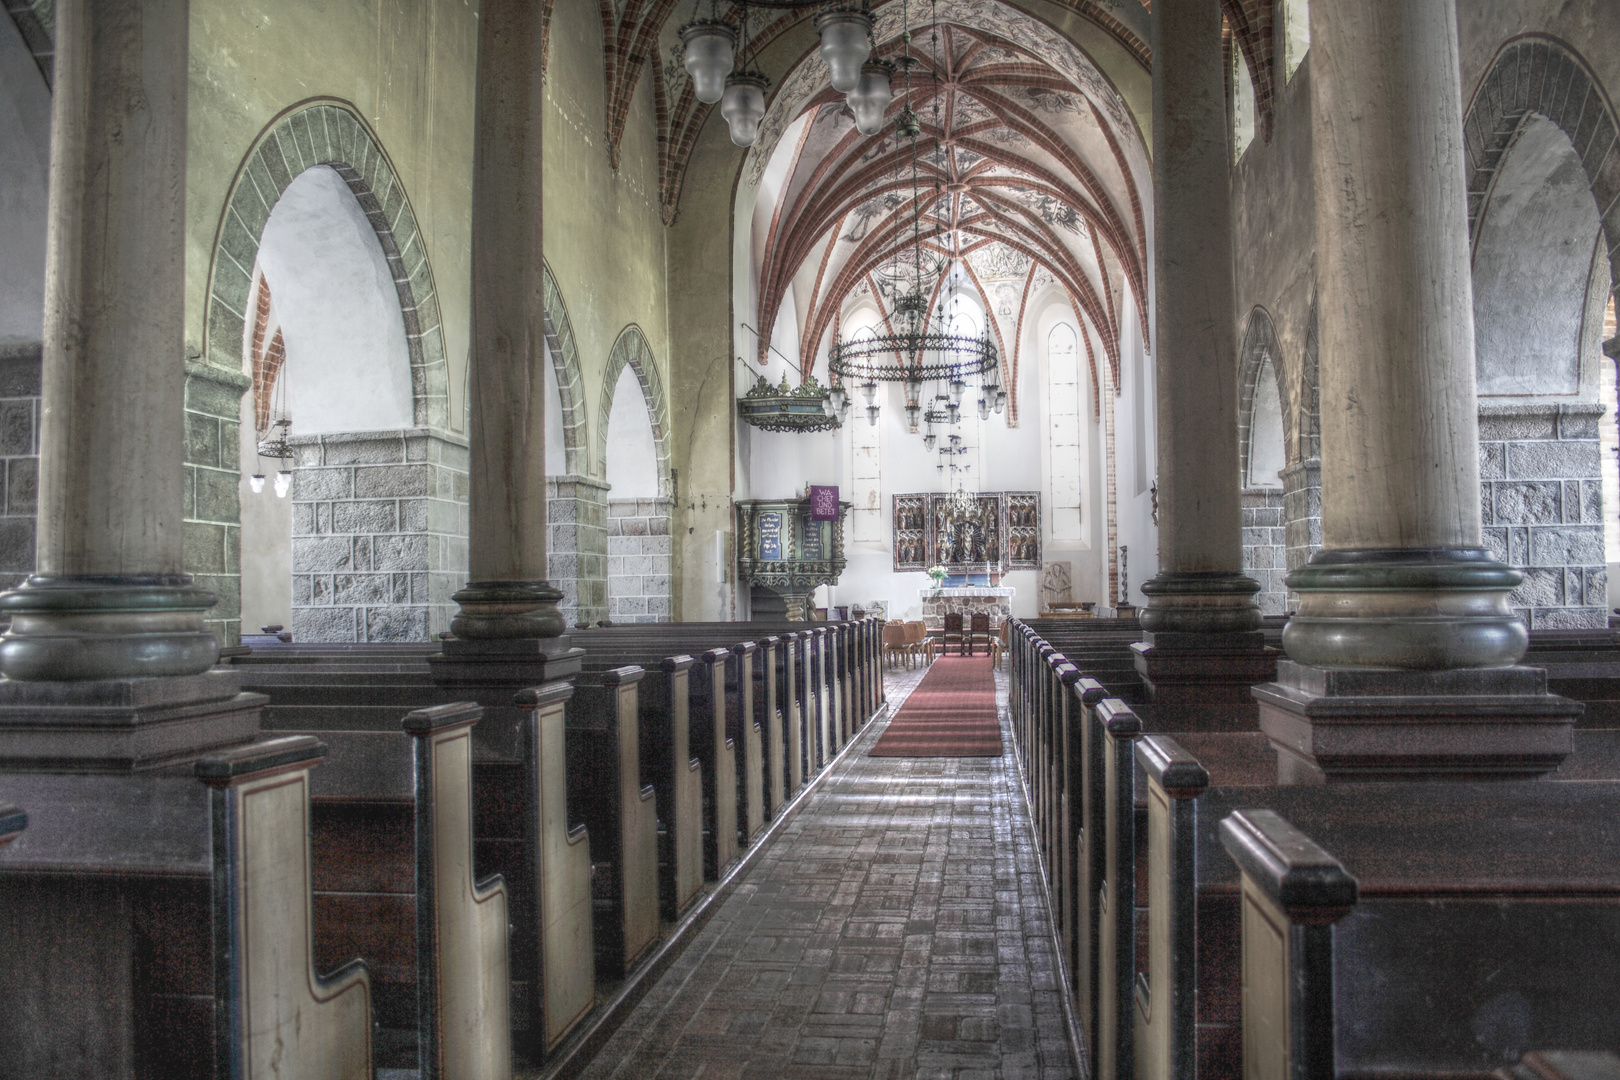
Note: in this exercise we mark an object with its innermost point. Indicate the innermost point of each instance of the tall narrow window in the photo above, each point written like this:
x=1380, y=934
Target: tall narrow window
x=1296, y=34
x=866, y=458
x=1064, y=423
x=1242, y=103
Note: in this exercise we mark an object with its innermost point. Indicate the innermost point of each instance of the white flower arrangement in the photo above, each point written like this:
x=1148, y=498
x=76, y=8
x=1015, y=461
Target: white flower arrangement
x=938, y=573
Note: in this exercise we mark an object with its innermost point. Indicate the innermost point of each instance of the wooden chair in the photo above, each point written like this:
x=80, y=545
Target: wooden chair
x=953, y=628
x=896, y=642
x=978, y=624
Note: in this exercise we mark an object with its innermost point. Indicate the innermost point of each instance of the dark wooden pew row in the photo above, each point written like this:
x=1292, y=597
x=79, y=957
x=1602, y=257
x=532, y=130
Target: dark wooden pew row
x=609, y=792
x=392, y=881
x=1291, y=894
x=1474, y=896
x=157, y=927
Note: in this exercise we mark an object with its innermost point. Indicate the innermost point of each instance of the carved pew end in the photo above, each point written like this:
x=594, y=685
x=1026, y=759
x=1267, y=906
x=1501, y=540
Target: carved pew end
x=271, y=1008
x=462, y=959
x=1293, y=892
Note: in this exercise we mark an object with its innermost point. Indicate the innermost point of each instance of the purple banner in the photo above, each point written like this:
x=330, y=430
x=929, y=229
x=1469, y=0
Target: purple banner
x=823, y=503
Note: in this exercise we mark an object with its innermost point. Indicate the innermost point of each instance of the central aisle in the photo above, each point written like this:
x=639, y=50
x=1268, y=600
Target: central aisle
x=895, y=929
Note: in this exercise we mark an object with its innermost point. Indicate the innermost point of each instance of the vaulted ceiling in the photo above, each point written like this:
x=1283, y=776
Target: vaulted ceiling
x=1028, y=170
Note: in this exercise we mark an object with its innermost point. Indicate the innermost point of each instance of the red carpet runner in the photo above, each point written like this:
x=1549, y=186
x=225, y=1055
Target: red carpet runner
x=952, y=713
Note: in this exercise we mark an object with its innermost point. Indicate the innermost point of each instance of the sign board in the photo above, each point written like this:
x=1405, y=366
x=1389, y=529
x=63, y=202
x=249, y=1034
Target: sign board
x=770, y=536
x=823, y=503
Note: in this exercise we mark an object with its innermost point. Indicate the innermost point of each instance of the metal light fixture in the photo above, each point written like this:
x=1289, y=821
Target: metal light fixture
x=984, y=409
x=836, y=397
x=708, y=53
x=283, y=483
x=846, y=42
x=871, y=96
x=256, y=482
x=958, y=388
x=869, y=391
x=1001, y=400
x=872, y=415
x=743, y=105
x=930, y=439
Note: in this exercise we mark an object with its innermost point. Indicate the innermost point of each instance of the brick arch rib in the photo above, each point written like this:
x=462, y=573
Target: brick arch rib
x=1543, y=76
x=632, y=349
x=328, y=134
x=570, y=378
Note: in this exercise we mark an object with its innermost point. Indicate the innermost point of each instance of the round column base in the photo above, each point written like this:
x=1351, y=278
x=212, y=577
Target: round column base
x=500, y=610
x=1200, y=603
x=82, y=627
x=1420, y=609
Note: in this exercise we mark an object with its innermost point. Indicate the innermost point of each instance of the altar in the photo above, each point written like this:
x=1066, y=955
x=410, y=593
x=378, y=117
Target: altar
x=968, y=600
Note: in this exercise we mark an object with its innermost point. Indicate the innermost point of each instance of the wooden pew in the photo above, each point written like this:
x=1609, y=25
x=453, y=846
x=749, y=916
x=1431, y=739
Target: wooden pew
x=1165, y=1035
x=1292, y=894
x=1563, y=1065
x=462, y=960
x=607, y=792
x=1475, y=898
x=561, y=857
x=275, y=1016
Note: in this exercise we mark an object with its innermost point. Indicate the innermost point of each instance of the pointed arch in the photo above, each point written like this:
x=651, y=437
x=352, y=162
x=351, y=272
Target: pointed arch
x=332, y=134
x=1542, y=76
x=570, y=378
x=631, y=348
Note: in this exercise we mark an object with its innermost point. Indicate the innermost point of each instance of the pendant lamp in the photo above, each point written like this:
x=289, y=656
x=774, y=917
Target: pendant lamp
x=709, y=53
x=743, y=105
x=846, y=42
x=871, y=96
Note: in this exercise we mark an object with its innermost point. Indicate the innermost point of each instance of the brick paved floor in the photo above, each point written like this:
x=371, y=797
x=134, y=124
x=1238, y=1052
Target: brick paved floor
x=896, y=928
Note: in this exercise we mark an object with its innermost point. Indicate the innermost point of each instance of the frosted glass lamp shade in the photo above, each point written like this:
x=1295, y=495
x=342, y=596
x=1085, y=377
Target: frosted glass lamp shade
x=929, y=440
x=846, y=42
x=1001, y=401
x=872, y=415
x=912, y=413
x=283, y=483
x=708, y=49
x=743, y=105
x=256, y=482
x=958, y=387
x=837, y=396
x=869, y=391
x=984, y=409
x=871, y=96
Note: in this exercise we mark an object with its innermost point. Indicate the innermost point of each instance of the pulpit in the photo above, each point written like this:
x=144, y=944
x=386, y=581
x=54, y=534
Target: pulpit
x=785, y=551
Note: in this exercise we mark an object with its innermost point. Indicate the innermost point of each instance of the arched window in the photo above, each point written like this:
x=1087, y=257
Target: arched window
x=1296, y=23
x=1065, y=432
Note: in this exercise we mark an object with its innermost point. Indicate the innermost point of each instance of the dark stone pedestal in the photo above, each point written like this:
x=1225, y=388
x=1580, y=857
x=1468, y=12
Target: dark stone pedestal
x=1215, y=668
x=123, y=725
x=491, y=672
x=1387, y=724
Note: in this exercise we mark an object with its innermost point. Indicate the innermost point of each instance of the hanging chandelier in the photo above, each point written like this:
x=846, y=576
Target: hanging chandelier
x=709, y=54
x=919, y=347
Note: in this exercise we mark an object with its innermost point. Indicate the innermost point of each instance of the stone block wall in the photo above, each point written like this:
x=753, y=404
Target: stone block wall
x=1302, y=510
x=639, y=560
x=577, y=547
x=1541, y=501
x=1265, y=548
x=379, y=534
x=19, y=461
x=212, y=528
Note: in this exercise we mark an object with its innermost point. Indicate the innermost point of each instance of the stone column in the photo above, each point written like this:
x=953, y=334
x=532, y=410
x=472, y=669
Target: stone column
x=508, y=612
x=1401, y=654
x=108, y=634
x=1202, y=622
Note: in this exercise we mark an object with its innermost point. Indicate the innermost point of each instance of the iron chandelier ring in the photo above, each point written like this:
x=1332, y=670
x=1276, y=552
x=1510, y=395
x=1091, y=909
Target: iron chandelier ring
x=887, y=358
